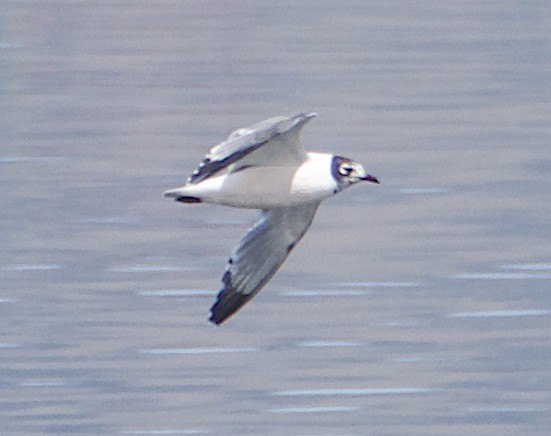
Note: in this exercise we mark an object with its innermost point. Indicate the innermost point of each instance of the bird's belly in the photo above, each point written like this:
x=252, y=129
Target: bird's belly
x=262, y=188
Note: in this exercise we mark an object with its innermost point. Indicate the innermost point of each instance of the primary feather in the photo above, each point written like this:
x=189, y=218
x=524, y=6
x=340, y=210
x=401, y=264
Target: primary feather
x=265, y=167
x=259, y=255
x=275, y=141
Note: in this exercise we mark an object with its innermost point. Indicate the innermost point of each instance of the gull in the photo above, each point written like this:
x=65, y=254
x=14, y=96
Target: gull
x=265, y=167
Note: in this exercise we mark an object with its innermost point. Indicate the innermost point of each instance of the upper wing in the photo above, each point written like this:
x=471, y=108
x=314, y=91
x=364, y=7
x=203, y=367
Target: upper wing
x=274, y=141
x=259, y=255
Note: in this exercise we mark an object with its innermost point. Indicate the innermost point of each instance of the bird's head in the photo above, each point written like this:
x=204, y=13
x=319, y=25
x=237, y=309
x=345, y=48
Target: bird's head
x=347, y=172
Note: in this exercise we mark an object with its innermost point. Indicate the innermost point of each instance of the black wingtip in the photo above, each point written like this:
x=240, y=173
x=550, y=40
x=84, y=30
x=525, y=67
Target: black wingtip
x=215, y=316
x=188, y=199
x=228, y=301
x=225, y=307
x=215, y=320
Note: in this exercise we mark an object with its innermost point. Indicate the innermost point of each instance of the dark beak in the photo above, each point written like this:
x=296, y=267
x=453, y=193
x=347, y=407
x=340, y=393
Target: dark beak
x=370, y=178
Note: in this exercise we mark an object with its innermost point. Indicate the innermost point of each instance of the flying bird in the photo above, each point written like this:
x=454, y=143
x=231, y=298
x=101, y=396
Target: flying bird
x=265, y=167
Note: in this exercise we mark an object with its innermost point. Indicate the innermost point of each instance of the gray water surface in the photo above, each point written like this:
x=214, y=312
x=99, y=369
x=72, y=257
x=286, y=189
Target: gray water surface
x=421, y=306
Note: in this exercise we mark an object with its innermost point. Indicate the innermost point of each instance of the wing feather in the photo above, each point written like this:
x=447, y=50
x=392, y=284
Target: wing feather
x=275, y=142
x=259, y=255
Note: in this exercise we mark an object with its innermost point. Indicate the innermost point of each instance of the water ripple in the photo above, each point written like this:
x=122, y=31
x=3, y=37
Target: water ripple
x=340, y=293
x=7, y=300
x=34, y=267
x=9, y=345
x=501, y=313
x=408, y=359
x=25, y=159
x=501, y=276
x=328, y=409
x=110, y=220
x=179, y=293
x=44, y=383
x=226, y=221
x=166, y=432
x=153, y=268
x=355, y=392
x=328, y=344
x=506, y=409
x=403, y=323
x=202, y=350
x=390, y=284
x=410, y=191
x=528, y=266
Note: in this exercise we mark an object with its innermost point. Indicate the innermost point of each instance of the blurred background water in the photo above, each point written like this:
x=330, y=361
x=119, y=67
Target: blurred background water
x=421, y=306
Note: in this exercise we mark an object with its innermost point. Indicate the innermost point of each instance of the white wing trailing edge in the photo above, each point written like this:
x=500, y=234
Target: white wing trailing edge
x=259, y=255
x=273, y=142
x=265, y=167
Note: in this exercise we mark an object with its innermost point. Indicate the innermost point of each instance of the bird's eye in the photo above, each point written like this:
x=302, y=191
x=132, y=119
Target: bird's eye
x=345, y=170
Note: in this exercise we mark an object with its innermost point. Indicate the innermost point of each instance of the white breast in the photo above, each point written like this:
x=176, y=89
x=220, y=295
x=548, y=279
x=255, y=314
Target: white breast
x=313, y=179
x=267, y=187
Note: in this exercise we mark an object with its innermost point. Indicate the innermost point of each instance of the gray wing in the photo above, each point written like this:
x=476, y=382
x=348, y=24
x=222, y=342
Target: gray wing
x=259, y=255
x=271, y=142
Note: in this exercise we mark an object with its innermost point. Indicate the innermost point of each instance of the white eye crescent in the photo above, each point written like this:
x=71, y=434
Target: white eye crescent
x=345, y=169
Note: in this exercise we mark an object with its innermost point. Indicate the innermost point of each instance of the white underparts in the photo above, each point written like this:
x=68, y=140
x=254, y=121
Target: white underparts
x=268, y=186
